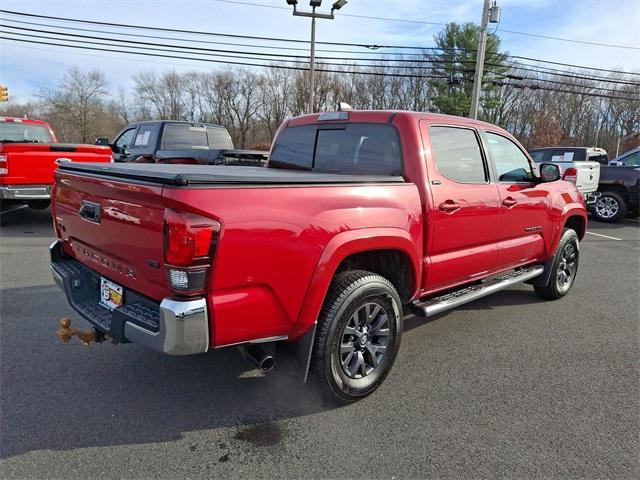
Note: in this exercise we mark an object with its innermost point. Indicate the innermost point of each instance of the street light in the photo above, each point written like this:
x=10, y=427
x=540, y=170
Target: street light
x=337, y=5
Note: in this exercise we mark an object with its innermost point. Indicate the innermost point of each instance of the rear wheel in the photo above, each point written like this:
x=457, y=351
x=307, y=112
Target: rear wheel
x=609, y=207
x=564, y=268
x=358, y=335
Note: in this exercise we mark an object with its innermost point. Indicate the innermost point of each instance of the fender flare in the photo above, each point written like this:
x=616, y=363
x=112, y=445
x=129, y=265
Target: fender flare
x=342, y=246
x=571, y=210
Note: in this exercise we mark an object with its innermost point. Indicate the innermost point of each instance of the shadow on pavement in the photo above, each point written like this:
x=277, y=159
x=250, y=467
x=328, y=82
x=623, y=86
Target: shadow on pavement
x=504, y=298
x=25, y=222
x=62, y=397
x=596, y=225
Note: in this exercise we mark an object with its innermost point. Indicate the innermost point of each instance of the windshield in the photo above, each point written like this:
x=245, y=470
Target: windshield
x=24, y=132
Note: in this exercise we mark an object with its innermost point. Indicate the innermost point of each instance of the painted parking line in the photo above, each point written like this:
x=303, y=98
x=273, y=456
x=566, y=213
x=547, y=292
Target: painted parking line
x=604, y=236
x=13, y=209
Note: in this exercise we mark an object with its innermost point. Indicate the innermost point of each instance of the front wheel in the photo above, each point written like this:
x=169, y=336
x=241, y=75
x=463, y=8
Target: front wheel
x=609, y=207
x=358, y=335
x=564, y=268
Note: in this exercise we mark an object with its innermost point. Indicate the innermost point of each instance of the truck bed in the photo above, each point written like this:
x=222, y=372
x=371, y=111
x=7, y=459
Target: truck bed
x=183, y=175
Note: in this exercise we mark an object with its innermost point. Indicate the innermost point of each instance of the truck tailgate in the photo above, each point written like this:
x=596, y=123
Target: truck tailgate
x=34, y=163
x=114, y=228
x=588, y=176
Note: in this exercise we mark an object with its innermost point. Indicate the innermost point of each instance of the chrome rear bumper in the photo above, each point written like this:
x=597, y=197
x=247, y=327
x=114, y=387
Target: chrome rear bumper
x=174, y=326
x=25, y=192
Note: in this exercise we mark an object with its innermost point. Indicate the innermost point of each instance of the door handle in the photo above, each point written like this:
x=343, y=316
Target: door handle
x=509, y=202
x=90, y=211
x=449, y=206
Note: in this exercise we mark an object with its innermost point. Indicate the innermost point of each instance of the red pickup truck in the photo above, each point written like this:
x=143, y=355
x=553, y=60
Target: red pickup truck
x=28, y=155
x=361, y=216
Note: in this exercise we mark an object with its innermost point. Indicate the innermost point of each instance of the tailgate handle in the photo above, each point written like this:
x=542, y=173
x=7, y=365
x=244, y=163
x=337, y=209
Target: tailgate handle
x=90, y=211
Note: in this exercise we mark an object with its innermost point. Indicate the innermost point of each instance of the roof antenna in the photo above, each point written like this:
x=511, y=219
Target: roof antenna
x=344, y=107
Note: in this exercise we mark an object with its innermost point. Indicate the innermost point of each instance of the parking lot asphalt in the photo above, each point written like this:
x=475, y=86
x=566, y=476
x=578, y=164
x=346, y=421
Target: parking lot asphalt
x=506, y=387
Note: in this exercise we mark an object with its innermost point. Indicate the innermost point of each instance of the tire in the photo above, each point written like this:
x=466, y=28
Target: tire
x=564, y=268
x=610, y=207
x=38, y=204
x=359, y=304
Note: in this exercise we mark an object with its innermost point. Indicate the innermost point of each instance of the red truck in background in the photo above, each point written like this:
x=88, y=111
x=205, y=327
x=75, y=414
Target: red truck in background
x=360, y=217
x=28, y=155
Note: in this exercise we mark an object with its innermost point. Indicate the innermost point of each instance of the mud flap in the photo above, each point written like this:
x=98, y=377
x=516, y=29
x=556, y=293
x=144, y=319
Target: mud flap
x=293, y=359
x=542, y=279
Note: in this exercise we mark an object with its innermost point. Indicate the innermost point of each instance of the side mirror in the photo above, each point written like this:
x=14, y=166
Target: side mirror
x=104, y=141
x=549, y=172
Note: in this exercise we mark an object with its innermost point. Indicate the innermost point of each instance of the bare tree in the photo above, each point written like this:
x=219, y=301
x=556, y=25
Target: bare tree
x=76, y=102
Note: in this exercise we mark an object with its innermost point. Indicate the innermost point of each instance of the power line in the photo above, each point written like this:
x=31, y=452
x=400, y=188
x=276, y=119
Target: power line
x=422, y=22
x=286, y=40
x=368, y=17
x=287, y=57
x=225, y=62
x=207, y=52
x=288, y=67
x=559, y=90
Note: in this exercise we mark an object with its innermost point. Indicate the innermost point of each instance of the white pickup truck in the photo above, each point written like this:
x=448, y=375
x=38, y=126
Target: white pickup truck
x=579, y=165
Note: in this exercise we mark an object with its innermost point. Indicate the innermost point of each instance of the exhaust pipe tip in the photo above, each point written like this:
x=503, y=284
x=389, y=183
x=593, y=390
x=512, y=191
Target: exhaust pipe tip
x=259, y=357
x=267, y=364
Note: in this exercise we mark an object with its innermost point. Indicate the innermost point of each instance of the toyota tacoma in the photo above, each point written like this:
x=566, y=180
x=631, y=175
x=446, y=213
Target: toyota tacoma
x=359, y=217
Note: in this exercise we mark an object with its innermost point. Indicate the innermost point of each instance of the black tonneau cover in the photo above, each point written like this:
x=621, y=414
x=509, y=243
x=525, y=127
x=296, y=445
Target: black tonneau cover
x=182, y=175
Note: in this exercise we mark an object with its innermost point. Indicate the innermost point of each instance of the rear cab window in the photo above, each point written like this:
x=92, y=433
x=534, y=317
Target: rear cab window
x=353, y=148
x=185, y=136
x=24, y=132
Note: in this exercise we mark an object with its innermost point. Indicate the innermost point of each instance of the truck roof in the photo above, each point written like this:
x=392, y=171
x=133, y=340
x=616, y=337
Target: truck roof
x=146, y=122
x=384, y=116
x=587, y=149
x=23, y=120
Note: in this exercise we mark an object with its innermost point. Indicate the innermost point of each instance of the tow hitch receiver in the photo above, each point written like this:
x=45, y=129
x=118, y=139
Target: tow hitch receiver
x=65, y=332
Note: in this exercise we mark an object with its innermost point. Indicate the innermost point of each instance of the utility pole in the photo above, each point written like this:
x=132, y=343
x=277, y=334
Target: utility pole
x=312, y=64
x=337, y=5
x=490, y=13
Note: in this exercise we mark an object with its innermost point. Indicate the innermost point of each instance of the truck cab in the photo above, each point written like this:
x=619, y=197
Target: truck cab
x=179, y=142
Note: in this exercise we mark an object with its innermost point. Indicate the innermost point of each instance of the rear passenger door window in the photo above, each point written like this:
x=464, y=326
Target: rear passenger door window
x=512, y=165
x=145, y=138
x=457, y=154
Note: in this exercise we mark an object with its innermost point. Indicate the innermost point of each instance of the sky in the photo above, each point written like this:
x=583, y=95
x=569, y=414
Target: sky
x=25, y=68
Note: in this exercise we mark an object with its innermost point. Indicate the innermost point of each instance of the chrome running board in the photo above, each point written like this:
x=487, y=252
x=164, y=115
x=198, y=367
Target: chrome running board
x=435, y=305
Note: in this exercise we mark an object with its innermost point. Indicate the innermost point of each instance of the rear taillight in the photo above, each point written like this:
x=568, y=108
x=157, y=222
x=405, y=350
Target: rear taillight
x=4, y=165
x=189, y=245
x=570, y=175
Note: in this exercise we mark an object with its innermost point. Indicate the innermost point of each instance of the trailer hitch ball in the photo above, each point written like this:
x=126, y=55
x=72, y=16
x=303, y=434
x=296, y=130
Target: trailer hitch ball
x=65, y=333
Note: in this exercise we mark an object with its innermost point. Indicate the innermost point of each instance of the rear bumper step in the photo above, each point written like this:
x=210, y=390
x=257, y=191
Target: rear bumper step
x=173, y=326
x=25, y=192
x=433, y=306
